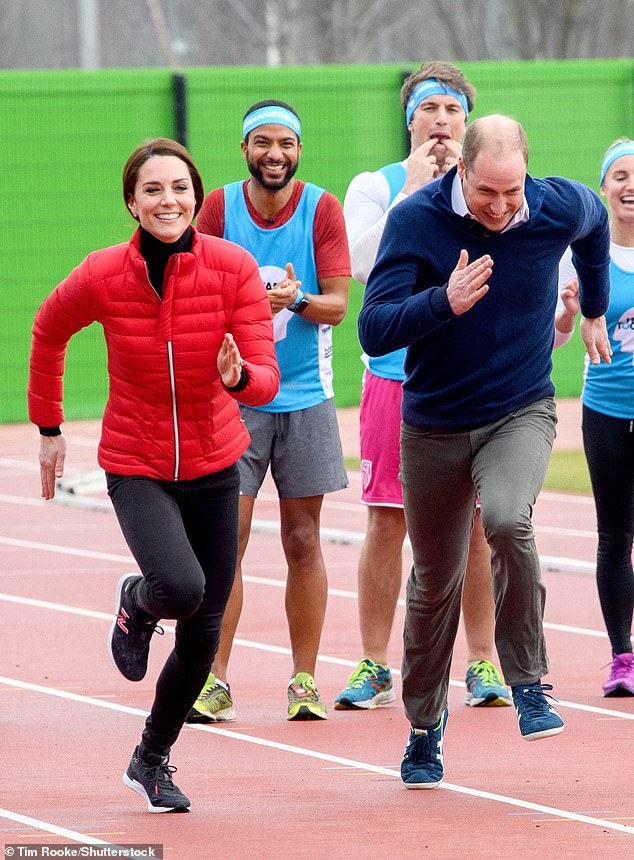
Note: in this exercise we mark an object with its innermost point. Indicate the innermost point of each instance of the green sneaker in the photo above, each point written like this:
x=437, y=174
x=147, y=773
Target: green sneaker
x=485, y=686
x=303, y=699
x=214, y=704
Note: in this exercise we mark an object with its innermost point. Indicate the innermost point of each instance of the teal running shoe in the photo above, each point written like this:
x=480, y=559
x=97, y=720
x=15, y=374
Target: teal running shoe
x=422, y=765
x=369, y=686
x=485, y=686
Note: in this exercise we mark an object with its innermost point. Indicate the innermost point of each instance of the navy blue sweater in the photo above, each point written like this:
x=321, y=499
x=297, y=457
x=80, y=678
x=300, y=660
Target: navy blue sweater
x=469, y=370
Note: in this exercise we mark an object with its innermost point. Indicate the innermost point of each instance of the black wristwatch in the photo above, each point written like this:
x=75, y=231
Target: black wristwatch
x=301, y=305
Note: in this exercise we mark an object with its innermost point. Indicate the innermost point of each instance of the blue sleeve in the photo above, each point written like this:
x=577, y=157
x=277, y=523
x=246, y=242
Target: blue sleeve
x=396, y=312
x=591, y=253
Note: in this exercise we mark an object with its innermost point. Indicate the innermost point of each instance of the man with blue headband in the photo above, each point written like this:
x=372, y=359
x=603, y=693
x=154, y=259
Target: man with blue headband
x=436, y=101
x=474, y=307
x=296, y=232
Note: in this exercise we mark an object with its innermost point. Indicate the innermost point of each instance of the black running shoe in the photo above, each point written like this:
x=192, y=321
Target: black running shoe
x=131, y=631
x=151, y=777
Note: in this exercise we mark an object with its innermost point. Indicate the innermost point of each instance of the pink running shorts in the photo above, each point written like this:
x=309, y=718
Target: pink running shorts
x=380, y=441
x=380, y=430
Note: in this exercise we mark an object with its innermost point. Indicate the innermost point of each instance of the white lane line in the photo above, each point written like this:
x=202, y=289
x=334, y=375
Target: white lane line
x=353, y=538
x=274, y=583
x=256, y=580
x=79, y=499
x=273, y=649
x=57, y=607
x=558, y=564
x=567, y=628
x=32, y=466
x=335, y=536
x=66, y=550
x=585, y=500
x=574, y=498
x=50, y=828
x=332, y=759
x=27, y=465
x=560, y=530
x=21, y=500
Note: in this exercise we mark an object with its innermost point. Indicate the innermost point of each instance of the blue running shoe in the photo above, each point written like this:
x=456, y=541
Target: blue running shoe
x=369, y=686
x=422, y=765
x=485, y=686
x=536, y=717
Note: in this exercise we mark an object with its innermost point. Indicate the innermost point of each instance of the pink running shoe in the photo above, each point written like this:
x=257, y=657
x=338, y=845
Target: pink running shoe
x=621, y=680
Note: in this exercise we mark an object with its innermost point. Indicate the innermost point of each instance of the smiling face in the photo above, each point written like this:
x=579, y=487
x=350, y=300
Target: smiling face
x=272, y=155
x=494, y=187
x=440, y=117
x=618, y=189
x=163, y=201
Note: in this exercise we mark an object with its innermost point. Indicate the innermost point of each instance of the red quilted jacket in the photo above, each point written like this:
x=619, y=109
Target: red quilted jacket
x=168, y=414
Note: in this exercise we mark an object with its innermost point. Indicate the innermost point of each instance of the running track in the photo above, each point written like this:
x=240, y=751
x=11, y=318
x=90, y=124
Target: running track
x=263, y=787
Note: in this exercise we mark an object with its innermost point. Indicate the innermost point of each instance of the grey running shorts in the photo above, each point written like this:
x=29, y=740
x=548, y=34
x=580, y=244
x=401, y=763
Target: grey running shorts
x=303, y=449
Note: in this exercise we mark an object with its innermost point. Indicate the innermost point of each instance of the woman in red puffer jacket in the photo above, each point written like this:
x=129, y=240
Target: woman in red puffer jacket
x=188, y=331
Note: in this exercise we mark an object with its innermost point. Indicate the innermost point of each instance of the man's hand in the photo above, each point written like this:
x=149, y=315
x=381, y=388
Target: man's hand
x=52, y=457
x=594, y=334
x=467, y=283
x=453, y=151
x=566, y=317
x=284, y=293
x=570, y=296
x=229, y=362
x=423, y=164
x=421, y=167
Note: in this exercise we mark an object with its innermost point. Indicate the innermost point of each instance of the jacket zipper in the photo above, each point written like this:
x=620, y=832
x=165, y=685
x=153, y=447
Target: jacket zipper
x=170, y=360
x=170, y=363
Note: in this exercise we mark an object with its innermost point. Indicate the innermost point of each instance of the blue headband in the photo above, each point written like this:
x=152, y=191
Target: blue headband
x=614, y=152
x=271, y=115
x=432, y=87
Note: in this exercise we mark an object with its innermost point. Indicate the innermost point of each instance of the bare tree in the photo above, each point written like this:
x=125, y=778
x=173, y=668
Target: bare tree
x=45, y=33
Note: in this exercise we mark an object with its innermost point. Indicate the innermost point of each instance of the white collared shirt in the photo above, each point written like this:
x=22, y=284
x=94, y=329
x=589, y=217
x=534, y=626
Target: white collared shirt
x=459, y=206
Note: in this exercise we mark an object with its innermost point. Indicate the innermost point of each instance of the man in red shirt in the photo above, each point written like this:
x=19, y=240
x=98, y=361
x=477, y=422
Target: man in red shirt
x=296, y=232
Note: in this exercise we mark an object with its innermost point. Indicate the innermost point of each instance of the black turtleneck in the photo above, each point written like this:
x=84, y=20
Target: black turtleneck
x=156, y=254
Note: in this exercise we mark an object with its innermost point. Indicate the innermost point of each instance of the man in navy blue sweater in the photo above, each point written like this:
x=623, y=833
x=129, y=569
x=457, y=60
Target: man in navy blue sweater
x=474, y=303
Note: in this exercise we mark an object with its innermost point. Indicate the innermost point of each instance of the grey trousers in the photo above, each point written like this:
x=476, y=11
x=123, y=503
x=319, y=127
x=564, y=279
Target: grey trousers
x=441, y=473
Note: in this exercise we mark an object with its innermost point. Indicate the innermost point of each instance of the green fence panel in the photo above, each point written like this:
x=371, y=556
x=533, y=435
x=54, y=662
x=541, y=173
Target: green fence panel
x=67, y=135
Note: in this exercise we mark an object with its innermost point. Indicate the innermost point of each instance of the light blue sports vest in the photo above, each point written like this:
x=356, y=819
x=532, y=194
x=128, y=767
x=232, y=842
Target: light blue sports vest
x=303, y=348
x=390, y=366
x=609, y=388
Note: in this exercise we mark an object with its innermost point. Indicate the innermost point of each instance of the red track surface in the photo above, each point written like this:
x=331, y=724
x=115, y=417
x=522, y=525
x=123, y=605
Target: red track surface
x=263, y=787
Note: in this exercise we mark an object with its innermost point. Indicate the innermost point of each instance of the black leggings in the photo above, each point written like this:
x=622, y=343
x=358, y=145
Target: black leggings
x=184, y=537
x=609, y=447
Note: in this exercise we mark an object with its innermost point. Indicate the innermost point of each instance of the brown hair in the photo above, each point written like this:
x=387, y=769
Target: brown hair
x=160, y=146
x=509, y=137
x=446, y=73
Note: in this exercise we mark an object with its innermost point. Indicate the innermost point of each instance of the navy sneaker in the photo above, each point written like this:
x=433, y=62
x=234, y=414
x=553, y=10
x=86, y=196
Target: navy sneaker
x=536, y=716
x=151, y=777
x=131, y=631
x=422, y=765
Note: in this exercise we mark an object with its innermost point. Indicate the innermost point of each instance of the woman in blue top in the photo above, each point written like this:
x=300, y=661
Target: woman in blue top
x=608, y=417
